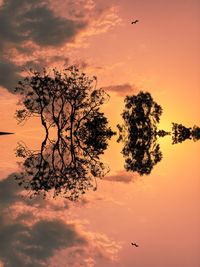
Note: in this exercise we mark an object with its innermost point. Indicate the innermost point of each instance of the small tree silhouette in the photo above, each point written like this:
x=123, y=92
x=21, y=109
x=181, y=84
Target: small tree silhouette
x=196, y=133
x=181, y=133
x=139, y=132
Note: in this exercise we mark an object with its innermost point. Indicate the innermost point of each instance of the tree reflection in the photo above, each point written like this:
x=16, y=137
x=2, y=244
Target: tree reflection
x=139, y=133
x=69, y=102
x=181, y=133
x=68, y=170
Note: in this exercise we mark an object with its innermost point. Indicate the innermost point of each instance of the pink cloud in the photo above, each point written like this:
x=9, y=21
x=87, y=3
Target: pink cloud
x=48, y=33
x=122, y=89
x=44, y=233
x=122, y=176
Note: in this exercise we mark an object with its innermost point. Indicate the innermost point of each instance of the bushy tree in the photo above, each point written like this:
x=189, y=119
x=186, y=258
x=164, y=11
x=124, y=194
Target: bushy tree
x=139, y=133
x=181, y=133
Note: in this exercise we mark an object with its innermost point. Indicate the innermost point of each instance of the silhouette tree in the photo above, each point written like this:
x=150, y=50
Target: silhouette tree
x=139, y=133
x=62, y=99
x=62, y=167
x=196, y=133
x=70, y=102
x=181, y=133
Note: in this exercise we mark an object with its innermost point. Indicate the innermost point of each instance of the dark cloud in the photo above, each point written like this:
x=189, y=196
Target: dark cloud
x=30, y=20
x=9, y=190
x=30, y=236
x=22, y=21
x=29, y=246
x=122, y=89
x=22, y=245
x=9, y=75
x=40, y=63
x=26, y=27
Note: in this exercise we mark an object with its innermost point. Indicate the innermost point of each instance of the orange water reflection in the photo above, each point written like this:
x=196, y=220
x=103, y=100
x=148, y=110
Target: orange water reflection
x=160, y=211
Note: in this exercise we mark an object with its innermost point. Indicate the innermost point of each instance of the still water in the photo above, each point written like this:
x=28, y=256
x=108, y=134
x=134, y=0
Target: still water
x=158, y=212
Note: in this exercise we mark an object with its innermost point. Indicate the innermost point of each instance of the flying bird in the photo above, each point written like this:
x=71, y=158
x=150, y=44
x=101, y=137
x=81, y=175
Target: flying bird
x=135, y=21
x=134, y=244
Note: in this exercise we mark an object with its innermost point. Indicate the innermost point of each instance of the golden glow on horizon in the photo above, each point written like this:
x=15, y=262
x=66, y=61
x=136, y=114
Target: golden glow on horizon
x=160, y=211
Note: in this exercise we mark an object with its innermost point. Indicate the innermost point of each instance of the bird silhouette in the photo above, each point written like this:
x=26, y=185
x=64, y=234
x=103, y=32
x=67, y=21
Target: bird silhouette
x=134, y=244
x=135, y=21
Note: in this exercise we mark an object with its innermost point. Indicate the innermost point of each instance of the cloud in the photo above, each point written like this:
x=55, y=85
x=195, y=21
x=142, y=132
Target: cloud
x=35, y=21
x=9, y=191
x=122, y=176
x=22, y=245
x=122, y=89
x=99, y=249
x=8, y=74
x=52, y=243
x=32, y=237
x=44, y=33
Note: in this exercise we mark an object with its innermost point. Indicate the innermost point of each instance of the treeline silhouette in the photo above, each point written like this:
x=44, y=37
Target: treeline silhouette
x=70, y=102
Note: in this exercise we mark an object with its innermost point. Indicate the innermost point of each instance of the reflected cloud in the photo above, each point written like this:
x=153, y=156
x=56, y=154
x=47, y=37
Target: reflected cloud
x=23, y=245
x=122, y=176
x=8, y=191
x=42, y=240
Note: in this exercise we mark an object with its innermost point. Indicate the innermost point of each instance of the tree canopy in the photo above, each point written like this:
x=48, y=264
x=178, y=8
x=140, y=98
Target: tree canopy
x=181, y=133
x=64, y=99
x=69, y=101
x=139, y=133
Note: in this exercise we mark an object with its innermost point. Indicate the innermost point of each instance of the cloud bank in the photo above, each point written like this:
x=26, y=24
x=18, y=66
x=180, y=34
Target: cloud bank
x=46, y=32
x=37, y=233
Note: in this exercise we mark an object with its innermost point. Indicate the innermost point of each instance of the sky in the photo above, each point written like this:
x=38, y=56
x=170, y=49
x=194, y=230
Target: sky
x=153, y=55
x=159, y=54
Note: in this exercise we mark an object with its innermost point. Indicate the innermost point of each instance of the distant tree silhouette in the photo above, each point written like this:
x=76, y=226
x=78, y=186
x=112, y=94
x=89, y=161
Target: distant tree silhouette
x=5, y=133
x=181, y=133
x=162, y=133
x=139, y=133
x=70, y=102
x=196, y=133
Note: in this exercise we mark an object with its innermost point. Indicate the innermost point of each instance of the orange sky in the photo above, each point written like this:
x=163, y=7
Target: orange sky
x=160, y=54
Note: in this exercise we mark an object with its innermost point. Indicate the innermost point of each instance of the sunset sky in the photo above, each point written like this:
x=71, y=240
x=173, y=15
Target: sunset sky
x=159, y=54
